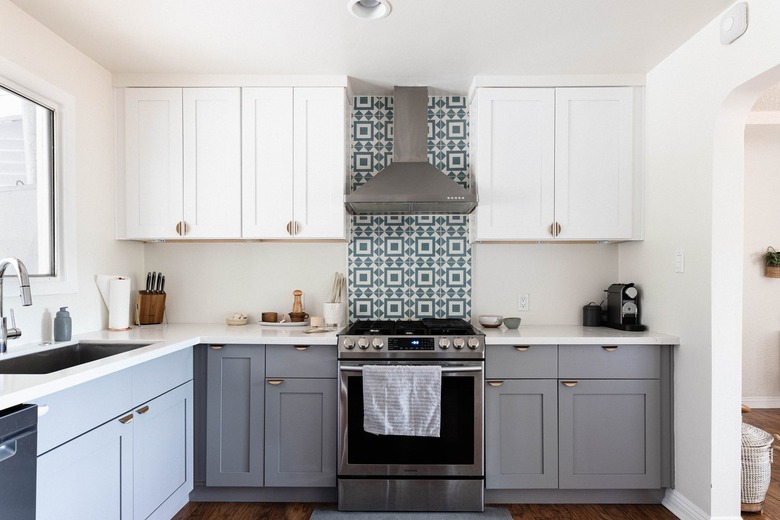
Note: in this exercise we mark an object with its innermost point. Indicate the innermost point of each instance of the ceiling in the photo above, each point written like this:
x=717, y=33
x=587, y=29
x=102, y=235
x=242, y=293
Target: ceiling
x=440, y=43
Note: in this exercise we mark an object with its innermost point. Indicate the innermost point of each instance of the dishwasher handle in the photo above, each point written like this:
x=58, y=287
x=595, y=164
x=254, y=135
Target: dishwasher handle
x=8, y=449
x=445, y=370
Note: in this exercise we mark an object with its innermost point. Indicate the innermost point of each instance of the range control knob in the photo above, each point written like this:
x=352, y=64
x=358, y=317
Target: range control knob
x=473, y=343
x=362, y=343
x=378, y=343
x=458, y=343
x=348, y=343
x=444, y=343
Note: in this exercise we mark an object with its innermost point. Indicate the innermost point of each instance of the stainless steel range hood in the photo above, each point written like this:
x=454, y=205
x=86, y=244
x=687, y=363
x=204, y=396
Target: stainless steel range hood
x=410, y=184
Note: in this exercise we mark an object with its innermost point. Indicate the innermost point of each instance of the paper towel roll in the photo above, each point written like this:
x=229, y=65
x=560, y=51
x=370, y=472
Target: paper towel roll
x=115, y=291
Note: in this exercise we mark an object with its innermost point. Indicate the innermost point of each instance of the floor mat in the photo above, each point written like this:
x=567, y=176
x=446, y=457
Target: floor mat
x=330, y=513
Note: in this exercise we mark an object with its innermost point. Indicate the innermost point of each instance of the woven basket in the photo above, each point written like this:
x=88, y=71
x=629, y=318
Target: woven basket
x=756, y=466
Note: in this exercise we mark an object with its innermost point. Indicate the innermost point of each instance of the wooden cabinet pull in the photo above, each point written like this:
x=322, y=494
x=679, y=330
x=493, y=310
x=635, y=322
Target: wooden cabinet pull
x=495, y=383
x=217, y=347
x=301, y=347
x=610, y=348
x=126, y=419
x=181, y=228
x=557, y=229
x=521, y=348
x=289, y=228
x=569, y=383
x=275, y=382
x=297, y=227
x=142, y=410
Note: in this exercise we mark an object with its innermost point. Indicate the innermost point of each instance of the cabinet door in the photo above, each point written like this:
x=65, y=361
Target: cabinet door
x=153, y=162
x=300, y=443
x=267, y=162
x=162, y=449
x=319, y=170
x=234, y=415
x=212, y=163
x=609, y=434
x=514, y=167
x=89, y=477
x=594, y=167
x=521, y=434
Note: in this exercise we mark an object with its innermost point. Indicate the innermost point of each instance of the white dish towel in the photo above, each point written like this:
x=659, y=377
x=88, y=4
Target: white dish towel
x=402, y=400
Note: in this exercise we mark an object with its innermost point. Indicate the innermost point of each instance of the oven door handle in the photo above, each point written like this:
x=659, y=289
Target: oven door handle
x=445, y=370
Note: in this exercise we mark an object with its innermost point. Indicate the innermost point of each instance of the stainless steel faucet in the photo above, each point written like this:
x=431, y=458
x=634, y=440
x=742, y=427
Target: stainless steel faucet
x=24, y=287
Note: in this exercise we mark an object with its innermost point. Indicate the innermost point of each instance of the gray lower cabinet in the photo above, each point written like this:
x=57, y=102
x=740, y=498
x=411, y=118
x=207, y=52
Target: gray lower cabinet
x=301, y=412
x=125, y=468
x=610, y=434
x=521, y=434
x=301, y=432
x=234, y=417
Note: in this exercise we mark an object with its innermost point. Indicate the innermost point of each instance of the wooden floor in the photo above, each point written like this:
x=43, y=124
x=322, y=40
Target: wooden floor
x=236, y=511
x=769, y=420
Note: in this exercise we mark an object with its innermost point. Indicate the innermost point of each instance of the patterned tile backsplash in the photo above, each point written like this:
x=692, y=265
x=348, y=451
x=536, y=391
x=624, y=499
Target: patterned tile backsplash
x=409, y=266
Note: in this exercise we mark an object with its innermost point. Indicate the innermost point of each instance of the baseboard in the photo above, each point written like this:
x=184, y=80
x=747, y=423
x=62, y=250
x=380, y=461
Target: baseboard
x=767, y=401
x=682, y=507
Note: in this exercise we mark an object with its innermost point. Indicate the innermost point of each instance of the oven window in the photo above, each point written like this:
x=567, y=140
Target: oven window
x=454, y=446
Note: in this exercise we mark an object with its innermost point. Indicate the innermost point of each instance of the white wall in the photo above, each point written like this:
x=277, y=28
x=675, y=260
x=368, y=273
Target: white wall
x=558, y=278
x=694, y=170
x=205, y=283
x=760, y=316
x=28, y=46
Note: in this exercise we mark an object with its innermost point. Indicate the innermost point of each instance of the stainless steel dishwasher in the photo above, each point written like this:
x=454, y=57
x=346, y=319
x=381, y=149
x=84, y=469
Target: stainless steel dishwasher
x=18, y=459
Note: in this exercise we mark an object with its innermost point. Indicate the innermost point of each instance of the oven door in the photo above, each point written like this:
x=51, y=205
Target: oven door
x=458, y=451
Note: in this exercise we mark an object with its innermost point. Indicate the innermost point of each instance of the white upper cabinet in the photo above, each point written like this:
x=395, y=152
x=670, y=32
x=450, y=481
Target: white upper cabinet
x=153, y=166
x=182, y=169
x=557, y=164
x=294, y=163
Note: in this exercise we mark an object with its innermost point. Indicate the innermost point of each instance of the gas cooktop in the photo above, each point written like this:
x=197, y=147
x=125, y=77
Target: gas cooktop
x=426, y=338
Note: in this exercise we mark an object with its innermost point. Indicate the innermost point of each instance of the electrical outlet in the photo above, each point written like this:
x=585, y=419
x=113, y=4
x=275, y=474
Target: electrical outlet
x=522, y=302
x=679, y=261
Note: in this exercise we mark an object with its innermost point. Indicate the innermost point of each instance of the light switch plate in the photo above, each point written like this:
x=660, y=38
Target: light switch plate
x=734, y=23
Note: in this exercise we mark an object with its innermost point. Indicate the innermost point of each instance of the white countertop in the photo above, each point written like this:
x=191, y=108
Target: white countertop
x=166, y=339
x=573, y=335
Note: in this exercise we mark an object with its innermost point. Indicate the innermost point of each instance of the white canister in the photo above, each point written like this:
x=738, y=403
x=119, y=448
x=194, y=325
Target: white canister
x=335, y=314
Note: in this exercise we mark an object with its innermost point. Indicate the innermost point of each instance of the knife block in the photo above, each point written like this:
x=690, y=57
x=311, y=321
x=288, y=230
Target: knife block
x=149, y=308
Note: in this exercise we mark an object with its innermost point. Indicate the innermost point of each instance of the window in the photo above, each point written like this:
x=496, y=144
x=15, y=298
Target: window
x=27, y=183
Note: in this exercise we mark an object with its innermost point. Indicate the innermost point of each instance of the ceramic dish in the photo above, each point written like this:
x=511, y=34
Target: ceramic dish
x=490, y=321
x=286, y=324
x=236, y=321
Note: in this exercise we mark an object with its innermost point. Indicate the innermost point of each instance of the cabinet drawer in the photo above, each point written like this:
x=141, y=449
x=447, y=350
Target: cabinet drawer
x=301, y=361
x=609, y=361
x=75, y=410
x=521, y=362
x=159, y=375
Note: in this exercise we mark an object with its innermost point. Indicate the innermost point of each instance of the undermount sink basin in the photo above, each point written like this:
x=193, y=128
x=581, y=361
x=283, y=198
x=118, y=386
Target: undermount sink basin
x=52, y=360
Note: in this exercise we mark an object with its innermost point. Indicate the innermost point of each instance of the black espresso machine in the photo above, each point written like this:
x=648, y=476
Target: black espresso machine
x=623, y=308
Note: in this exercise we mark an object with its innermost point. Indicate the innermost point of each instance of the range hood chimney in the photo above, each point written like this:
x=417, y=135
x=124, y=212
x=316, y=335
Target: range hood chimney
x=410, y=184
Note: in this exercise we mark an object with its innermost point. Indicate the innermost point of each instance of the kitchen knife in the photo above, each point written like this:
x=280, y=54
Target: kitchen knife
x=158, y=285
x=154, y=282
x=162, y=285
x=148, y=282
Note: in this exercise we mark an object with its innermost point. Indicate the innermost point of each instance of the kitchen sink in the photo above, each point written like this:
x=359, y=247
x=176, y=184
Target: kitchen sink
x=52, y=360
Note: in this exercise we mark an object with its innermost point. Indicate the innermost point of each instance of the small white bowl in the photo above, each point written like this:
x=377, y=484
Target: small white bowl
x=236, y=321
x=491, y=321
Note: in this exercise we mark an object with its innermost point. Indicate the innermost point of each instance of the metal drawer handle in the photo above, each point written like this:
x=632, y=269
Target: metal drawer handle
x=275, y=382
x=126, y=419
x=610, y=348
x=301, y=347
x=495, y=383
x=445, y=370
x=569, y=383
x=217, y=347
x=142, y=410
x=7, y=450
x=521, y=348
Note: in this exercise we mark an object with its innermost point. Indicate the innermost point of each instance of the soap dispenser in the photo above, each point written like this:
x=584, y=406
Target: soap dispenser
x=62, y=325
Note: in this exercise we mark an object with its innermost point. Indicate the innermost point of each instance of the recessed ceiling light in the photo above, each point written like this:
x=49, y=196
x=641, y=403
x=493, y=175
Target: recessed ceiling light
x=369, y=9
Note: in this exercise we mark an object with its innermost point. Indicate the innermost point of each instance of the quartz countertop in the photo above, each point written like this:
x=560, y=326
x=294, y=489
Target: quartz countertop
x=163, y=339
x=166, y=339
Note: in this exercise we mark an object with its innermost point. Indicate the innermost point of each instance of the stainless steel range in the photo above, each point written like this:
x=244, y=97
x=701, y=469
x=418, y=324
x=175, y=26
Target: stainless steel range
x=413, y=473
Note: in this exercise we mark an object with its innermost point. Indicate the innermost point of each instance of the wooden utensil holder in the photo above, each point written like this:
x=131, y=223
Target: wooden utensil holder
x=150, y=308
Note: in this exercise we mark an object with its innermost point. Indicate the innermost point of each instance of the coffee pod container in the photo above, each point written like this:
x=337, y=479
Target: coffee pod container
x=591, y=315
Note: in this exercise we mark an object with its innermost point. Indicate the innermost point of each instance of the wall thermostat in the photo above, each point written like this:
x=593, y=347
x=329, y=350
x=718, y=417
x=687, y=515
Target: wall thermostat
x=734, y=23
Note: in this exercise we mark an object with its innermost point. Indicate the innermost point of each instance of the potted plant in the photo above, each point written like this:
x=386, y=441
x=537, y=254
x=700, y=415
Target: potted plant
x=772, y=263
